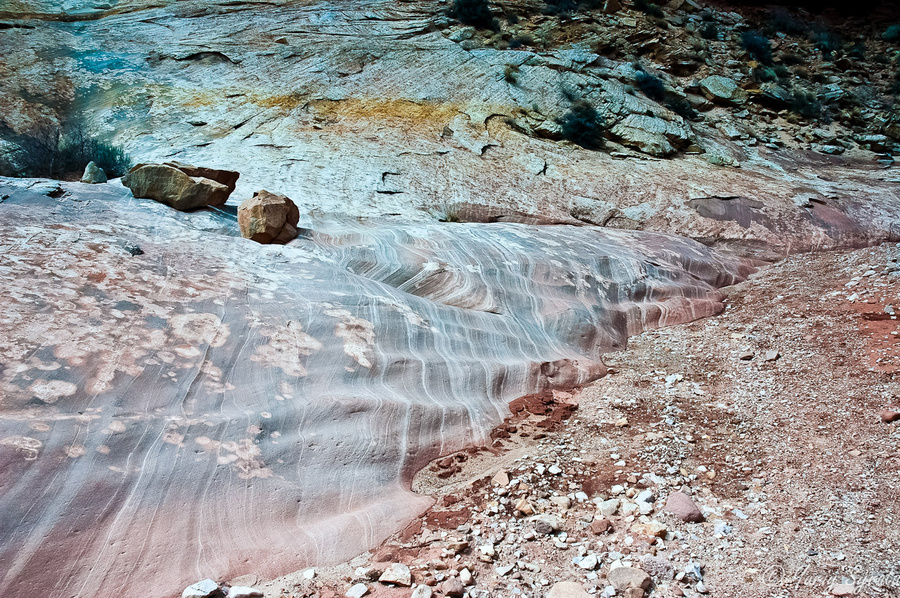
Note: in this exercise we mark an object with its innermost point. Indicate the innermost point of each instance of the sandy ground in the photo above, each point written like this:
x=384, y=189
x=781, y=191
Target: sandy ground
x=768, y=416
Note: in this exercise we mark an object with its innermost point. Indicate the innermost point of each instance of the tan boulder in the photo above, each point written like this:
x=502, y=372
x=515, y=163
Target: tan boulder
x=226, y=177
x=268, y=218
x=173, y=187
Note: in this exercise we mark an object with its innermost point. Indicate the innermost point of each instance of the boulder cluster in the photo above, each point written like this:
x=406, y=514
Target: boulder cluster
x=265, y=218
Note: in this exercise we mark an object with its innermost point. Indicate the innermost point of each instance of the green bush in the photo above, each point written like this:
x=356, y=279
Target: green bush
x=583, y=126
x=476, y=13
x=892, y=34
x=56, y=152
x=757, y=45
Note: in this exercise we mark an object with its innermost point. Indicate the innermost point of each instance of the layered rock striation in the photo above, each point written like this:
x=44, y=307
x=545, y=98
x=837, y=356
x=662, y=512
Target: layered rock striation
x=179, y=403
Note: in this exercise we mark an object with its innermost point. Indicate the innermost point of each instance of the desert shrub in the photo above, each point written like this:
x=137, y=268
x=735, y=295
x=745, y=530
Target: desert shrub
x=892, y=34
x=709, y=31
x=476, y=13
x=511, y=74
x=650, y=85
x=53, y=151
x=583, y=125
x=792, y=59
x=757, y=45
x=806, y=104
x=780, y=19
x=763, y=74
x=680, y=106
x=521, y=40
x=649, y=8
x=781, y=71
x=560, y=7
x=826, y=41
x=447, y=212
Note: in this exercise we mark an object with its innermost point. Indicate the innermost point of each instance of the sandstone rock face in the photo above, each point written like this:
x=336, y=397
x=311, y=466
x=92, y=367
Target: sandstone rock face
x=651, y=135
x=268, y=218
x=286, y=393
x=366, y=128
x=93, y=174
x=173, y=187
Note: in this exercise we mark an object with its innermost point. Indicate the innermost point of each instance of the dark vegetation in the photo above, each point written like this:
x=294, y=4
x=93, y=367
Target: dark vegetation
x=476, y=13
x=654, y=88
x=757, y=45
x=806, y=104
x=892, y=34
x=649, y=8
x=583, y=125
x=59, y=152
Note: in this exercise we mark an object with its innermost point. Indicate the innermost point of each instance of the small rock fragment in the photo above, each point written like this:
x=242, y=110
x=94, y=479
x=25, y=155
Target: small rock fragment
x=421, y=591
x=681, y=505
x=772, y=355
x=546, y=524
x=465, y=576
x=588, y=563
x=843, y=589
x=397, y=574
x=601, y=526
x=453, y=588
x=357, y=591
x=244, y=592
x=202, y=589
x=889, y=416
x=567, y=589
x=623, y=578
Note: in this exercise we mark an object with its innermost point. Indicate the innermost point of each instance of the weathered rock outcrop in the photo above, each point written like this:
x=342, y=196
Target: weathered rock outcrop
x=268, y=218
x=165, y=406
x=171, y=186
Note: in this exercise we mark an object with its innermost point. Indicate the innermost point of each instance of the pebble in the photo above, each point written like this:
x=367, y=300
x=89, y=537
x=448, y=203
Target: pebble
x=628, y=577
x=202, y=589
x=397, y=574
x=453, y=588
x=681, y=505
x=465, y=576
x=843, y=589
x=567, y=589
x=601, y=526
x=244, y=592
x=772, y=355
x=504, y=569
x=608, y=508
x=422, y=591
x=546, y=524
x=888, y=416
x=588, y=563
x=357, y=591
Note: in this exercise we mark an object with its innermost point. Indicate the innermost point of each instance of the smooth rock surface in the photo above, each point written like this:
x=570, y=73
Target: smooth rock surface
x=291, y=390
